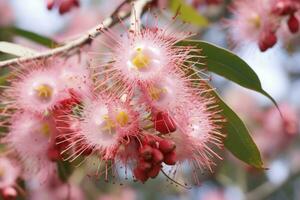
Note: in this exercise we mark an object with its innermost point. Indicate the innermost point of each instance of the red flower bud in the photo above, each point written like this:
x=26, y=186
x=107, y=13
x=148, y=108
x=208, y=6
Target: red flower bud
x=293, y=24
x=166, y=146
x=150, y=141
x=63, y=5
x=144, y=166
x=163, y=123
x=146, y=152
x=170, y=158
x=154, y=171
x=53, y=154
x=140, y=175
x=158, y=157
x=267, y=40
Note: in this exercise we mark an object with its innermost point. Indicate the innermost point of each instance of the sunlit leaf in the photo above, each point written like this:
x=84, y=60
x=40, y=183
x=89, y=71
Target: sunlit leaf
x=187, y=13
x=238, y=140
x=225, y=63
x=15, y=49
x=42, y=40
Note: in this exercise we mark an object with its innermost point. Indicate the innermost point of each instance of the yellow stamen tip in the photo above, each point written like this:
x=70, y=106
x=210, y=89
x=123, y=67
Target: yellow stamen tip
x=256, y=21
x=45, y=129
x=156, y=93
x=140, y=60
x=44, y=91
x=122, y=118
x=109, y=125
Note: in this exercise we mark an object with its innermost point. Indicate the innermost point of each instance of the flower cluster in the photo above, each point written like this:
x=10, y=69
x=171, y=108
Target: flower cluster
x=259, y=21
x=141, y=104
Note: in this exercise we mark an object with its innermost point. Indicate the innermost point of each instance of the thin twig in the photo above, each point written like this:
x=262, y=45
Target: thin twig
x=74, y=44
x=136, y=13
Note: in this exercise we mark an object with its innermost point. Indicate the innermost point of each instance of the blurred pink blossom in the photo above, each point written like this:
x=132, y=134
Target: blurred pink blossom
x=54, y=189
x=275, y=132
x=9, y=172
x=6, y=13
x=125, y=194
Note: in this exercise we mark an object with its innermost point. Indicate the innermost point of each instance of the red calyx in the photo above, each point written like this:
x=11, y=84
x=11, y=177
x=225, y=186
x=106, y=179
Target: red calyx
x=158, y=157
x=293, y=24
x=152, y=156
x=144, y=166
x=170, y=158
x=166, y=146
x=151, y=141
x=163, y=123
x=154, y=171
x=267, y=40
x=67, y=5
x=146, y=152
x=53, y=154
x=63, y=5
x=140, y=175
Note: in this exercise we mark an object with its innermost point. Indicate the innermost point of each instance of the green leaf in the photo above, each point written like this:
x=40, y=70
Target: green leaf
x=187, y=13
x=15, y=49
x=227, y=64
x=3, y=79
x=238, y=140
x=4, y=75
x=64, y=170
x=4, y=56
x=43, y=40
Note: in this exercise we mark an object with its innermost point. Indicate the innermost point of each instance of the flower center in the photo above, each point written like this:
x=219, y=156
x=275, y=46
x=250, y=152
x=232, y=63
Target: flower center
x=109, y=125
x=44, y=92
x=140, y=60
x=122, y=118
x=156, y=93
x=255, y=21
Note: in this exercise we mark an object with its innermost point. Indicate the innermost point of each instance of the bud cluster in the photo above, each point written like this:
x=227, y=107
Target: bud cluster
x=259, y=21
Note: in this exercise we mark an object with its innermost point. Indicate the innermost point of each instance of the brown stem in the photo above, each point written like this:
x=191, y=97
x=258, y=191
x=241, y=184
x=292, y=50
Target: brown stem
x=74, y=44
